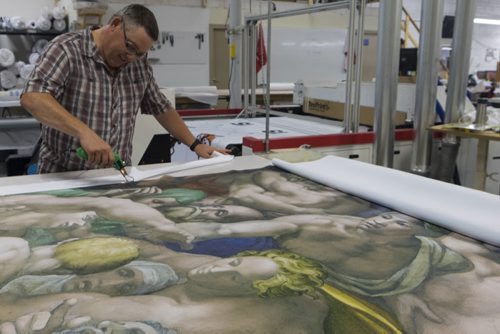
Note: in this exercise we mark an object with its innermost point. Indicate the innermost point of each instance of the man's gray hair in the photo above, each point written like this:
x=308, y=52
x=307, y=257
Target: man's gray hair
x=141, y=16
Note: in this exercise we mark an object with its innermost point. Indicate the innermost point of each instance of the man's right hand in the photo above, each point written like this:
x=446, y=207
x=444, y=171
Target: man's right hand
x=99, y=152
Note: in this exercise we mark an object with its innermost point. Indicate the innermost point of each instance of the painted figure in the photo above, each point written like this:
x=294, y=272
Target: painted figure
x=260, y=292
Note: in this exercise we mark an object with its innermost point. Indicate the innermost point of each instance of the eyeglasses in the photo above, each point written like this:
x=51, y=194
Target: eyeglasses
x=129, y=46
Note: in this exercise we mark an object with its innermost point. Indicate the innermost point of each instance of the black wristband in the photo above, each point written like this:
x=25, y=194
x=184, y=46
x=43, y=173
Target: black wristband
x=194, y=144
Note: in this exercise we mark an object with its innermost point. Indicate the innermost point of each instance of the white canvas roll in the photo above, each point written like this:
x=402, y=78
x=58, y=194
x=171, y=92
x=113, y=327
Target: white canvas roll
x=39, y=46
x=18, y=23
x=19, y=65
x=43, y=24
x=58, y=12
x=33, y=58
x=32, y=24
x=204, y=94
x=7, y=57
x=26, y=71
x=471, y=212
x=59, y=25
x=8, y=79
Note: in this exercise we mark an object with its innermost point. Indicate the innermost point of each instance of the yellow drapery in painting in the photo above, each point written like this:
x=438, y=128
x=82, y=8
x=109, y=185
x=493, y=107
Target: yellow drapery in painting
x=350, y=314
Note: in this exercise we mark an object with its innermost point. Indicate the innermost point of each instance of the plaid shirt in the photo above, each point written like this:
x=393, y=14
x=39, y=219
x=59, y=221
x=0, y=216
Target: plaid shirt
x=74, y=73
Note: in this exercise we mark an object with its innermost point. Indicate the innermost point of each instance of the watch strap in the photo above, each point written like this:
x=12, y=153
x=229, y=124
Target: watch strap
x=194, y=144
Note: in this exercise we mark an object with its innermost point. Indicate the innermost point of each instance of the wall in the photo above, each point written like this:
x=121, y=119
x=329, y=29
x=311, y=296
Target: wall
x=178, y=15
x=485, y=38
x=182, y=64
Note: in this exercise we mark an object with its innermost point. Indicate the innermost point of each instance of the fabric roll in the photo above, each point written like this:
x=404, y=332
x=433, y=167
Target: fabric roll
x=43, y=24
x=58, y=13
x=33, y=58
x=26, y=71
x=8, y=79
x=32, y=24
x=59, y=25
x=18, y=22
x=6, y=23
x=467, y=211
x=40, y=46
x=19, y=65
x=7, y=57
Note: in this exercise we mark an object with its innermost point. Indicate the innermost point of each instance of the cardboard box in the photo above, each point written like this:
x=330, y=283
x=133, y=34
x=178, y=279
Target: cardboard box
x=335, y=110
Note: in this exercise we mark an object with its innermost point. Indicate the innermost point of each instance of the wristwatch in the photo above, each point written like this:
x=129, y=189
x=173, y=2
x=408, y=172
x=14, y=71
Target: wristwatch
x=194, y=144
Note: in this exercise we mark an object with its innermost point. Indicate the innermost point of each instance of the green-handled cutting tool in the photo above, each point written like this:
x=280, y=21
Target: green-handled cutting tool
x=118, y=164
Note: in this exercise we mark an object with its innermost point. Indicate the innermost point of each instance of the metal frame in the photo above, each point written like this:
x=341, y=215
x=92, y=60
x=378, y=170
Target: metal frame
x=249, y=59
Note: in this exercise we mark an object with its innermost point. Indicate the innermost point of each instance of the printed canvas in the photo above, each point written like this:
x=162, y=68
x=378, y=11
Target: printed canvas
x=254, y=251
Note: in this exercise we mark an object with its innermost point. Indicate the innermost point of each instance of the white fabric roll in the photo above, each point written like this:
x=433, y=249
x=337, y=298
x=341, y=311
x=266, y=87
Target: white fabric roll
x=59, y=25
x=26, y=71
x=7, y=57
x=32, y=24
x=19, y=65
x=58, y=13
x=6, y=23
x=468, y=211
x=282, y=86
x=40, y=46
x=8, y=79
x=33, y=58
x=43, y=24
x=18, y=22
x=204, y=94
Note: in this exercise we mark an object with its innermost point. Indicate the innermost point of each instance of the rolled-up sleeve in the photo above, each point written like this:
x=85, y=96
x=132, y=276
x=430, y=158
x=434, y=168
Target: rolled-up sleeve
x=50, y=73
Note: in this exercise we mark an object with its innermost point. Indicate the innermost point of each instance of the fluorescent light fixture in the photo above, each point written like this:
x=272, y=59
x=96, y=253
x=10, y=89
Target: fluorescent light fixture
x=487, y=21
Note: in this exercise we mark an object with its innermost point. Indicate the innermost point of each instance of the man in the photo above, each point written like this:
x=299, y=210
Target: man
x=88, y=87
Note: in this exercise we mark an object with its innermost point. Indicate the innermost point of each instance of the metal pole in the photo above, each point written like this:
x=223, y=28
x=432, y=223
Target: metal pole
x=386, y=80
x=245, y=66
x=350, y=63
x=268, y=72
x=426, y=88
x=359, y=65
x=460, y=58
x=253, y=68
x=235, y=53
x=444, y=168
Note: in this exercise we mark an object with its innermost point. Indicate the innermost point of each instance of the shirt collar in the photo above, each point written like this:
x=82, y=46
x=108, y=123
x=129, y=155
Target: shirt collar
x=89, y=46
